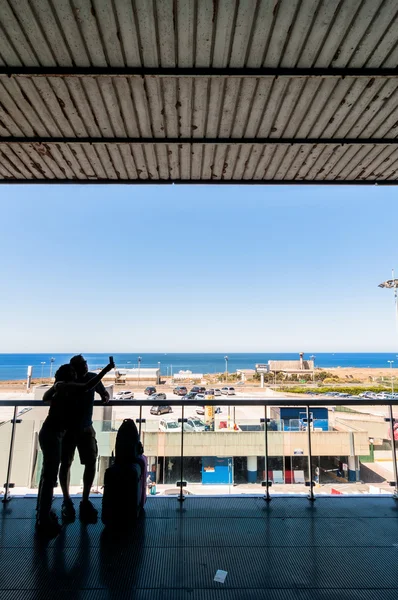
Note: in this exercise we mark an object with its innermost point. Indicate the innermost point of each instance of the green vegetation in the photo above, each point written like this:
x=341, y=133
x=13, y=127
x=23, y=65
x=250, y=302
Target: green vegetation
x=341, y=389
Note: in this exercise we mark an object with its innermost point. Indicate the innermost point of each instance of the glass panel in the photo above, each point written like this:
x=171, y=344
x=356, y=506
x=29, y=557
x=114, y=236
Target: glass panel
x=223, y=450
x=391, y=469
x=354, y=456
x=288, y=450
x=24, y=453
x=5, y=437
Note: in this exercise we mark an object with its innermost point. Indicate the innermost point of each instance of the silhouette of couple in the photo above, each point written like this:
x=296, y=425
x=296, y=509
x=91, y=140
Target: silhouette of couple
x=69, y=426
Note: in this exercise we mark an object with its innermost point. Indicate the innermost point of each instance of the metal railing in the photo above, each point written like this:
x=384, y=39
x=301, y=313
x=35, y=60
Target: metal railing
x=224, y=401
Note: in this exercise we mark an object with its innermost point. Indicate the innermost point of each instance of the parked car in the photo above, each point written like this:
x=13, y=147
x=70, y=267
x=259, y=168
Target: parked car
x=198, y=389
x=228, y=391
x=23, y=411
x=194, y=424
x=190, y=396
x=200, y=397
x=169, y=425
x=201, y=410
x=150, y=390
x=124, y=395
x=213, y=392
x=160, y=410
x=180, y=390
x=157, y=396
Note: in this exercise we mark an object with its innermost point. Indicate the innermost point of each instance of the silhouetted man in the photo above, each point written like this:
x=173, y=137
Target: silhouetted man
x=82, y=437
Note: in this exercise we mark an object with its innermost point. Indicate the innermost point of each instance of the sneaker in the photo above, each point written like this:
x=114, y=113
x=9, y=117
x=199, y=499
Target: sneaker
x=49, y=528
x=87, y=512
x=68, y=511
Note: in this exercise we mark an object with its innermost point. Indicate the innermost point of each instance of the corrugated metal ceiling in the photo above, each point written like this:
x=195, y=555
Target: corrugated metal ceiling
x=104, y=120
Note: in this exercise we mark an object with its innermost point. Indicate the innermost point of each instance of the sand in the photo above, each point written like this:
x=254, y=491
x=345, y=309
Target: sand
x=345, y=375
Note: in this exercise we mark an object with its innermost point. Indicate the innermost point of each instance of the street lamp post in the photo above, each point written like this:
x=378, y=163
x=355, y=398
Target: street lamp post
x=226, y=379
x=392, y=378
x=313, y=357
x=42, y=368
x=52, y=361
x=226, y=366
x=139, y=367
x=159, y=373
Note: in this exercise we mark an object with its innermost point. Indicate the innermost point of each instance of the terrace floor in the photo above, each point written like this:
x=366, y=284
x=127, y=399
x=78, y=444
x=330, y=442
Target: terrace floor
x=340, y=547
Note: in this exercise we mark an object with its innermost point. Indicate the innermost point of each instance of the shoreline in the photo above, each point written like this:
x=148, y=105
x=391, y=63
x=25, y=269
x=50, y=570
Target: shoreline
x=343, y=375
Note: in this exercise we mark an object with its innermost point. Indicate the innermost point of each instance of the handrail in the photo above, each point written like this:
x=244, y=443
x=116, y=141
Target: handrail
x=221, y=401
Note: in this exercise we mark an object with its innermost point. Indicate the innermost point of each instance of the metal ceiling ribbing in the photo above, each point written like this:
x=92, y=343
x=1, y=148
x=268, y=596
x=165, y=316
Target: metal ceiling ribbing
x=199, y=90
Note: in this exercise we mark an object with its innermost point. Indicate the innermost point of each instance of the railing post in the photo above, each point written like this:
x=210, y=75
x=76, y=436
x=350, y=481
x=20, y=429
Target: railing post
x=181, y=484
x=140, y=421
x=394, y=454
x=7, y=497
x=266, y=483
x=310, y=482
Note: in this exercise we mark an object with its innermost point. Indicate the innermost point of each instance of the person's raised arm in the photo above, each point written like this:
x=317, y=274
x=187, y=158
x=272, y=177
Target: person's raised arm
x=101, y=390
x=89, y=385
x=94, y=381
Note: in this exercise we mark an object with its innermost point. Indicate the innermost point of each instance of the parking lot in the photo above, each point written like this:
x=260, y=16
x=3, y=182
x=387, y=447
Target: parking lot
x=241, y=414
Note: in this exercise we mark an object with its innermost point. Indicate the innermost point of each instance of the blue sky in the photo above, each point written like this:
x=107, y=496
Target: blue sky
x=195, y=268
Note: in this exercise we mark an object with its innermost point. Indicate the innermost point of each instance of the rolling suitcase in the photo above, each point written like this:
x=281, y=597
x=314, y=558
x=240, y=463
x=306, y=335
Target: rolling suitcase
x=121, y=502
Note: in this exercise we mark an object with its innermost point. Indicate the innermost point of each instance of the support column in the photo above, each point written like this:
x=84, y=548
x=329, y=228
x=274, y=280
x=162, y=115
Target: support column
x=353, y=461
x=262, y=379
x=353, y=468
x=252, y=469
x=107, y=418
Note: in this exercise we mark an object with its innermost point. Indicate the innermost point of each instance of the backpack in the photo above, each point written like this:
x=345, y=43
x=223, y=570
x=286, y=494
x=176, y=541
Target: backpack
x=125, y=480
x=128, y=446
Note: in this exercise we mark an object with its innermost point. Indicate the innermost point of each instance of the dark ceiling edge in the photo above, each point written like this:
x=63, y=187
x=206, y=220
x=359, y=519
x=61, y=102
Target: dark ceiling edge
x=40, y=71
x=241, y=182
x=201, y=141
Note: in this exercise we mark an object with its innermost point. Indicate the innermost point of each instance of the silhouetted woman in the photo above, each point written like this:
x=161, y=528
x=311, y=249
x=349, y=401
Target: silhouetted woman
x=60, y=417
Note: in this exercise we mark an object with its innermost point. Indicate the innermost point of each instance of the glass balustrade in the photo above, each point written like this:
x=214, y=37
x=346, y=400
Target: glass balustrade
x=223, y=451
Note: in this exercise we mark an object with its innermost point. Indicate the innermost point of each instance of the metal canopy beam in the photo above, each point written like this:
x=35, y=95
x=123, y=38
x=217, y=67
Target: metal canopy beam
x=241, y=182
x=229, y=141
x=194, y=72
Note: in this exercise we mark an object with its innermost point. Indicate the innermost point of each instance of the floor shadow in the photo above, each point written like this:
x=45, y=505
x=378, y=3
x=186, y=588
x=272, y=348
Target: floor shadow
x=58, y=567
x=120, y=559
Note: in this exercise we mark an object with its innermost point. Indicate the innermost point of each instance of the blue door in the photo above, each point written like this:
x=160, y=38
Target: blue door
x=216, y=470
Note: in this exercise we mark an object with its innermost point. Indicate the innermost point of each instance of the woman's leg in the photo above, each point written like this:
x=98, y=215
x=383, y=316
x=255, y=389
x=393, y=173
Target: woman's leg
x=50, y=443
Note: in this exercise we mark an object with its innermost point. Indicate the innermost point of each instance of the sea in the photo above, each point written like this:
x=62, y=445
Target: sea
x=14, y=366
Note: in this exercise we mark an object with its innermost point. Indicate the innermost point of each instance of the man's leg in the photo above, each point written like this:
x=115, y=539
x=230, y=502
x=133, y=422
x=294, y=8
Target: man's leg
x=88, y=450
x=88, y=480
x=64, y=479
x=68, y=451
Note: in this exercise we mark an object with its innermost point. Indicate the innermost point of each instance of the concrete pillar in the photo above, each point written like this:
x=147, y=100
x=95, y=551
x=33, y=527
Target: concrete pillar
x=353, y=468
x=252, y=469
x=107, y=418
x=353, y=461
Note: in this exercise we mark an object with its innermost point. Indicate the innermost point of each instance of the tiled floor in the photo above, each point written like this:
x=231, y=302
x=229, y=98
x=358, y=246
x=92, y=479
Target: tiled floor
x=343, y=547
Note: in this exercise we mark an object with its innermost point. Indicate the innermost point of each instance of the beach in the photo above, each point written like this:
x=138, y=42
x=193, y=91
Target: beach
x=345, y=375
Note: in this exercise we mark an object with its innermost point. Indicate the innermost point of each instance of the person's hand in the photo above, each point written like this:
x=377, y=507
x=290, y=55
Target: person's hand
x=105, y=398
x=110, y=365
